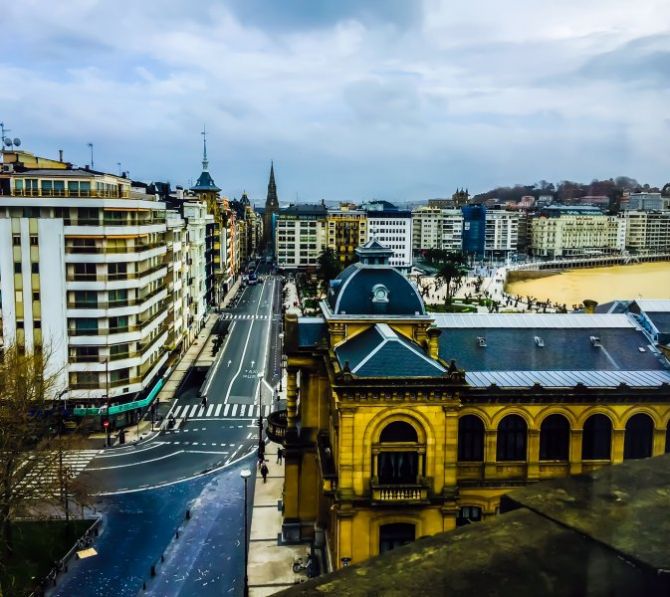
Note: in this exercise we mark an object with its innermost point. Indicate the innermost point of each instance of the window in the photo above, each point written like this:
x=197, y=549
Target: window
x=17, y=267
x=639, y=437
x=20, y=324
x=597, y=438
x=35, y=268
x=87, y=354
x=118, y=297
x=84, y=271
x=554, y=438
x=120, y=375
x=33, y=240
x=86, y=299
x=86, y=326
x=511, y=439
x=117, y=270
x=395, y=535
x=470, y=439
x=37, y=324
x=16, y=240
x=118, y=324
x=468, y=514
x=36, y=297
x=399, y=456
x=119, y=351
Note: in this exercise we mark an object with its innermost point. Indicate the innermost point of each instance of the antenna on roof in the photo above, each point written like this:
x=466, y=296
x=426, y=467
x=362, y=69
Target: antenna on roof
x=91, y=147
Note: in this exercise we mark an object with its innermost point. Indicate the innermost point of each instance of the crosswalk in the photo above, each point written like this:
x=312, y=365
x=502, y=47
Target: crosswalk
x=231, y=316
x=233, y=411
x=74, y=462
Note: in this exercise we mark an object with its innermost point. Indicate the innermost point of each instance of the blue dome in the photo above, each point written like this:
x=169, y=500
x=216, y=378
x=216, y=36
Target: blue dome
x=364, y=289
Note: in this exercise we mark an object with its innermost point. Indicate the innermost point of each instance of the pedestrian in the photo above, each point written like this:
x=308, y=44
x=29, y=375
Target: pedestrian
x=203, y=403
x=280, y=455
x=264, y=472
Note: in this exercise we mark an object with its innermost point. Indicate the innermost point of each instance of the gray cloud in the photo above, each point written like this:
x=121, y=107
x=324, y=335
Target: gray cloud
x=354, y=99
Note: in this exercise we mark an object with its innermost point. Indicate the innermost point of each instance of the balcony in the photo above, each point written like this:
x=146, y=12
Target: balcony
x=407, y=493
x=276, y=426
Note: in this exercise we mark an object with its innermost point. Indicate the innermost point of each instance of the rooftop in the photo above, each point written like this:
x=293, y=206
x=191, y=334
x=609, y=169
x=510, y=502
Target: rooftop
x=609, y=529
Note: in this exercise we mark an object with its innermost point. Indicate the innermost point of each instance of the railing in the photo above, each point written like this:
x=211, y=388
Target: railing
x=276, y=426
x=88, y=249
x=414, y=492
x=73, y=277
x=93, y=193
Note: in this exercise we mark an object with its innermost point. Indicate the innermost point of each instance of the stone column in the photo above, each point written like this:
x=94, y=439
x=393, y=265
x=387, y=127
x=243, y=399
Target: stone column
x=575, y=451
x=490, y=455
x=533, y=454
x=291, y=397
x=617, y=445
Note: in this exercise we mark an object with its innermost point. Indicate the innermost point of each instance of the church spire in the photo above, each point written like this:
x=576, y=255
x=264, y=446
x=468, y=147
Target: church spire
x=272, y=201
x=205, y=182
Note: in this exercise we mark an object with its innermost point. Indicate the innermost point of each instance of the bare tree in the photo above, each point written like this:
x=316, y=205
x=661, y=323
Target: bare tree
x=33, y=479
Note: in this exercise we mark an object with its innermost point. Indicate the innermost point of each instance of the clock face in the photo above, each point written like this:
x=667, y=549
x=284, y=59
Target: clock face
x=380, y=293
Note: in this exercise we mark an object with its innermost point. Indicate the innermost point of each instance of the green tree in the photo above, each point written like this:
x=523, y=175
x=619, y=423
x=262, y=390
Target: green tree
x=329, y=267
x=450, y=272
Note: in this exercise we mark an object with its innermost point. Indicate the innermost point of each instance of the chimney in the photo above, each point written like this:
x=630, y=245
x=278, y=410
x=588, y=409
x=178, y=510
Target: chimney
x=60, y=155
x=590, y=306
x=433, y=341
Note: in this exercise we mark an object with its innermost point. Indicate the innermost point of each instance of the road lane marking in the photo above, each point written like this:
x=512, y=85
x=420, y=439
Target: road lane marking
x=194, y=410
x=234, y=410
x=246, y=345
x=210, y=408
x=225, y=410
x=105, y=468
x=128, y=452
x=176, y=410
x=218, y=410
x=217, y=362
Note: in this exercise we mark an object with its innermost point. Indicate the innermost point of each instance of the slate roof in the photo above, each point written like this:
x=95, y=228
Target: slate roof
x=379, y=351
x=205, y=182
x=310, y=331
x=553, y=350
x=351, y=292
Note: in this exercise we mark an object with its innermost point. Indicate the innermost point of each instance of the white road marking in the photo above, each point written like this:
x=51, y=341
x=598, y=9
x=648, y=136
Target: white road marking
x=210, y=408
x=104, y=468
x=218, y=410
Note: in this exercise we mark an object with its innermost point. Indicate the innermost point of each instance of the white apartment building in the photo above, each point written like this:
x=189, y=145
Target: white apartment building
x=435, y=228
x=82, y=276
x=576, y=230
x=300, y=236
x=501, y=233
x=392, y=227
x=647, y=231
x=177, y=281
x=647, y=202
x=197, y=218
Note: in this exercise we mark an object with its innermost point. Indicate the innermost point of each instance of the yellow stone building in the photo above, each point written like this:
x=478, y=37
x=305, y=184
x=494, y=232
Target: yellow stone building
x=346, y=229
x=401, y=423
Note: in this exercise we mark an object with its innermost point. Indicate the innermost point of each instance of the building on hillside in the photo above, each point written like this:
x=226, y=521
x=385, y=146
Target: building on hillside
x=437, y=228
x=347, y=229
x=82, y=272
x=565, y=231
x=647, y=232
x=270, y=212
x=401, y=423
x=646, y=202
x=392, y=227
x=300, y=236
x=474, y=230
x=501, y=233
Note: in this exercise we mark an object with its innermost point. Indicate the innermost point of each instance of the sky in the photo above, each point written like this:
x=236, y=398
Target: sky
x=400, y=100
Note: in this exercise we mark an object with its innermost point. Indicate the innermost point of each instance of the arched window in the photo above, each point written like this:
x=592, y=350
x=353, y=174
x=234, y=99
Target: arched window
x=554, y=438
x=470, y=439
x=398, y=431
x=597, y=438
x=512, y=438
x=639, y=437
x=394, y=535
x=398, y=458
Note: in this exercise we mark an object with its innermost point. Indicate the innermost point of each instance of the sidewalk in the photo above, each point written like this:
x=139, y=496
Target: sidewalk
x=270, y=564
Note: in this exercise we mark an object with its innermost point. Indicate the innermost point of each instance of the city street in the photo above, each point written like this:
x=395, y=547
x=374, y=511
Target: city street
x=145, y=489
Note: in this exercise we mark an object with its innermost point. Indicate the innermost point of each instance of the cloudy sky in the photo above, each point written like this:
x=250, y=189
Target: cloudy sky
x=353, y=99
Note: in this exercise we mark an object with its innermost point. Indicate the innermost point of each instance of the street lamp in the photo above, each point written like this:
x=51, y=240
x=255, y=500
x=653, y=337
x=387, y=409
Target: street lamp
x=245, y=474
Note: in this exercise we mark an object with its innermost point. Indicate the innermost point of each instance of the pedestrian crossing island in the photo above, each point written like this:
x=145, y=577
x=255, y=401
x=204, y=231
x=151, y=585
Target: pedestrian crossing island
x=214, y=411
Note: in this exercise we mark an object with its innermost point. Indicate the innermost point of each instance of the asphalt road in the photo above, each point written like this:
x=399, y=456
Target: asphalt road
x=225, y=430
x=145, y=489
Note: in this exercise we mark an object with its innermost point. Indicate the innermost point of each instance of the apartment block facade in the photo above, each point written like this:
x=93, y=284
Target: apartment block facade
x=436, y=228
x=347, y=228
x=83, y=264
x=647, y=231
x=300, y=236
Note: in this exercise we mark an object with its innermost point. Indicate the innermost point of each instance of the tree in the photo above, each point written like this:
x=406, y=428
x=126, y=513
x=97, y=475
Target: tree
x=329, y=267
x=33, y=479
x=451, y=271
